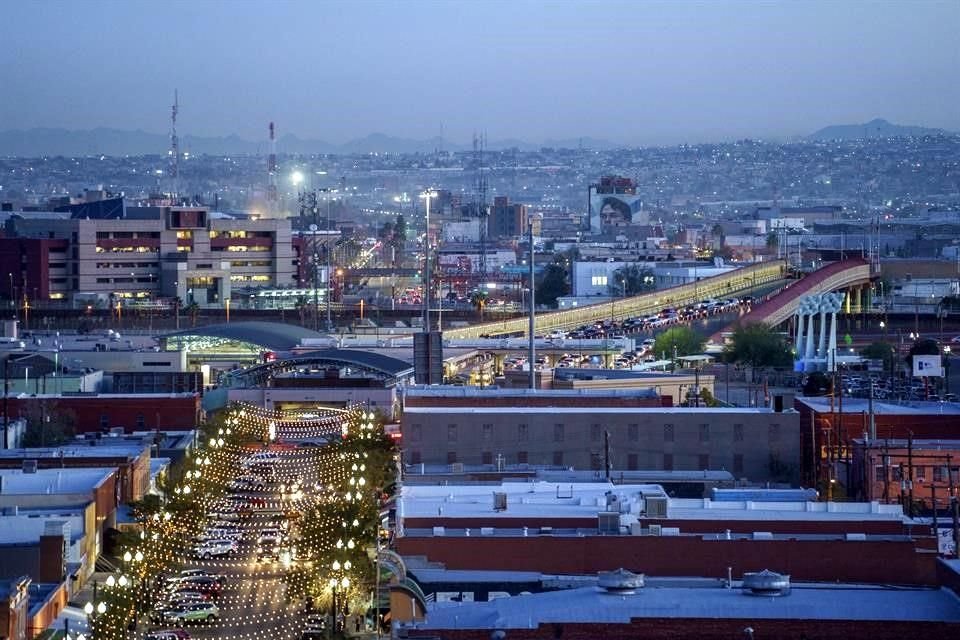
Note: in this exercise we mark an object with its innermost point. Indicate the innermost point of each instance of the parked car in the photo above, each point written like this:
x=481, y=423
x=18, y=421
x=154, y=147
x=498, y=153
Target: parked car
x=199, y=612
x=168, y=634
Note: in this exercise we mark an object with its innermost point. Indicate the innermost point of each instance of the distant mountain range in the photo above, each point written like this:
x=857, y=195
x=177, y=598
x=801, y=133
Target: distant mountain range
x=878, y=128
x=116, y=142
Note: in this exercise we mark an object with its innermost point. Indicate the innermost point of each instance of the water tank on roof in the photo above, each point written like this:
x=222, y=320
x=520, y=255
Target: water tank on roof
x=766, y=583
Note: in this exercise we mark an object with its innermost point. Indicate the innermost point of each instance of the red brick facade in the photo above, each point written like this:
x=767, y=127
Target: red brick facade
x=99, y=413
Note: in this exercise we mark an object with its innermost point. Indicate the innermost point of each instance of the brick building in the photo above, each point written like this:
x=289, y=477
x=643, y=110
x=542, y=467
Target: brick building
x=884, y=470
x=100, y=412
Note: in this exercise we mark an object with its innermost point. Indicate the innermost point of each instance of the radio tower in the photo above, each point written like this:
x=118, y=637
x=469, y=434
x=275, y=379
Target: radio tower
x=174, y=149
x=478, y=144
x=272, y=171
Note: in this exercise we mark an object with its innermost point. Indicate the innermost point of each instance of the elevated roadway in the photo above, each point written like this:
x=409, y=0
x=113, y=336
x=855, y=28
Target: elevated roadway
x=736, y=282
x=851, y=275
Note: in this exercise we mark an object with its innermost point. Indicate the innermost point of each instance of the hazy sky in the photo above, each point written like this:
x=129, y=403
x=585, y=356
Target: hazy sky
x=632, y=72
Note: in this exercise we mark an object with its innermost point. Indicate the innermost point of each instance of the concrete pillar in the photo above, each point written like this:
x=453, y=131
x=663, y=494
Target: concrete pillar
x=833, y=336
x=498, y=359
x=798, y=342
x=822, y=342
x=808, y=352
x=856, y=300
x=846, y=303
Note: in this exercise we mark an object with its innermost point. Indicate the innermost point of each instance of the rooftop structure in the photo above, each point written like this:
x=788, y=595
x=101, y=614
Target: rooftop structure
x=53, y=481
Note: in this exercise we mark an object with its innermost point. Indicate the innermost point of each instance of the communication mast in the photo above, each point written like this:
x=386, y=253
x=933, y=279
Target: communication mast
x=479, y=142
x=272, y=170
x=174, y=149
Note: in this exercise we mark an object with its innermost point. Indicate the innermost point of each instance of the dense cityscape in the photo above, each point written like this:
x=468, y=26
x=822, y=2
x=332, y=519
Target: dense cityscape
x=421, y=388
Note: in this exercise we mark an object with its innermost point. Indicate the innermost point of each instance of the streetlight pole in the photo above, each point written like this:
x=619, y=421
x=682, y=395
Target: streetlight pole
x=531, y=321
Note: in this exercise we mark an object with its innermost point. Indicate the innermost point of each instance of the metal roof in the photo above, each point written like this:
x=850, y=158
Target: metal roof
x=270, y=335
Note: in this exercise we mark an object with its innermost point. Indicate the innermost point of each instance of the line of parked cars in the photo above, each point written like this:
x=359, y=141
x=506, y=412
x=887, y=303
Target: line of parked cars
x=189, y=596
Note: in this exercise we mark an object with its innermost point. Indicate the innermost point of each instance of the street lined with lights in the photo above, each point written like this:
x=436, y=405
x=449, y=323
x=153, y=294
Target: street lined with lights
x=265, y=528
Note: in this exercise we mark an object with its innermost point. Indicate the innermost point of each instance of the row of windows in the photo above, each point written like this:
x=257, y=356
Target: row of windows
x=596, y=462
x=596, y=431
x=898, y=472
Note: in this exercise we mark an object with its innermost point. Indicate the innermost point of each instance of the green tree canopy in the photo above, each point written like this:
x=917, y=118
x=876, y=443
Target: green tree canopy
x=882, y=351
x=632, y=280
x=553, y=284
x=686, y=340
x=758, y=346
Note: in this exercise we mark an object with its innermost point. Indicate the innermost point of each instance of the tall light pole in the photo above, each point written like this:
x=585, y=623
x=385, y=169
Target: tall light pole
x=532, y=317
x=427, y=196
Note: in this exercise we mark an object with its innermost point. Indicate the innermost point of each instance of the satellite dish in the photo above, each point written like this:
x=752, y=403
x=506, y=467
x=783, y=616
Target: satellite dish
x=313, y=227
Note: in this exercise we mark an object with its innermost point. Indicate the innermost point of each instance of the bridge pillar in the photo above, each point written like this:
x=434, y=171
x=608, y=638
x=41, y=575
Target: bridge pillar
x=608, y=361
x=808, y=352
x=822, y=341
x=854, y=304
x=498, y=359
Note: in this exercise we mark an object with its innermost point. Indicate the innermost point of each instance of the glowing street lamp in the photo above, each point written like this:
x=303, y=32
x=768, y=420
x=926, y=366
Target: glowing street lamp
x=297, y=178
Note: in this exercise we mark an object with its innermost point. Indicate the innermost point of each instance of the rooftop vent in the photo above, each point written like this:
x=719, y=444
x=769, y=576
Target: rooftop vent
x=620, y=582
x=499, y=501
x=29, y=466
x=766, y=583
x=655, y=506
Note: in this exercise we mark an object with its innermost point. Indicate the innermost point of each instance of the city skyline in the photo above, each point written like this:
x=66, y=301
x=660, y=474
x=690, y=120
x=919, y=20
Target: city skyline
x=674, y=73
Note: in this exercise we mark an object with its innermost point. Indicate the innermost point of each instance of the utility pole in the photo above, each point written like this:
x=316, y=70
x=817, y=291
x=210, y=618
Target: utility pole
x=606, y=454
x=531, y=321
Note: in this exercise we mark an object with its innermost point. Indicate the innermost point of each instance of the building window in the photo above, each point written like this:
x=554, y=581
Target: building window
x=558, y=433
x=558, y=458
x=668, y=462
x=705, y=433
x=738, y=432
x=595, y=432
x=920, y=473
x=523, y=434
x=486, y=457
x=939, y=473
x=896, y=474
x=632, y=462
x=416, y=431
x=668, y=433
x=738, y=463
x=451, y=457
x=521, y=457
x=633, y=432
x=414, y=457
x=451, y=433
x=774, y=432
x=879, y=475
x=703, y=461
x=598, y=281
x=487, y=432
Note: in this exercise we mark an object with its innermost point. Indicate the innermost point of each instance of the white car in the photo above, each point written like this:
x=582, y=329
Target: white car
x=215, y=549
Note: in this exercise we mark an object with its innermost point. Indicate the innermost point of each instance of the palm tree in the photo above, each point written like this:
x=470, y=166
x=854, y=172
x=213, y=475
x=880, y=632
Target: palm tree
x=193, y=309
x=479, y=300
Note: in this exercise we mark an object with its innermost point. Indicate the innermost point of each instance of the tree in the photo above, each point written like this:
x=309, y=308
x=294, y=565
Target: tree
x=818, y=384
x=553, y=284
x=772, y=240
x=882, y=351
x=678, y=341
x=47, y=425
x=632, y=280
x=758, y=346
x=479, y=300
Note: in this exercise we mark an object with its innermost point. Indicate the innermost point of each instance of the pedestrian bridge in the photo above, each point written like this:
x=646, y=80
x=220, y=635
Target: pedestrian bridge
x=737, y=282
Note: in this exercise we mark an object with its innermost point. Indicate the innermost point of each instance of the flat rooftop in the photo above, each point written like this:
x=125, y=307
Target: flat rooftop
x=586, y=499
x=27, y=528
x=860, y=406
x=102, y=448
x=594, y=605
x=701, y=411
x=52, y=481
x=438, y=391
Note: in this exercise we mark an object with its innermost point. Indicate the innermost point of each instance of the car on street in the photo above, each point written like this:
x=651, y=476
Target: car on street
x=167, y=634
x=199, y=612
x=215, y=549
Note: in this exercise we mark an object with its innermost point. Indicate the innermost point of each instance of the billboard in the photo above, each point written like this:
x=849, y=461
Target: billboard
x=927, y=367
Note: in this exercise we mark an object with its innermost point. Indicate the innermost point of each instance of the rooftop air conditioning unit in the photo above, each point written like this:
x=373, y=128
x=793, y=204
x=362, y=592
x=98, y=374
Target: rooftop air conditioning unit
x=499, y=501
x=655, y=529
x=655, y=506
x=456, y=467
x=608, y=522
x=29, y=466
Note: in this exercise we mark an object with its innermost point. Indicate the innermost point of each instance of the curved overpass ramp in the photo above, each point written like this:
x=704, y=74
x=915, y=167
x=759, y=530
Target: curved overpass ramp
x=738, y=281
x=833, y=277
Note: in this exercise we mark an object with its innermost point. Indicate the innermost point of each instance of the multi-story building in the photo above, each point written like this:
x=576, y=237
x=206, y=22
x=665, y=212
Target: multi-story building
x=507, y=220
x=188, y=253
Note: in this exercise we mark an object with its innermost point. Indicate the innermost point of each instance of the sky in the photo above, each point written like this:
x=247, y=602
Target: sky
x=635, y=72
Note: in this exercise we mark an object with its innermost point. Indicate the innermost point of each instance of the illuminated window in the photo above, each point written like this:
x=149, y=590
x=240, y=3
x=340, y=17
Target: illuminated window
x=185, y=234
x=184, y=249
x=599, y=281
x=56, y=296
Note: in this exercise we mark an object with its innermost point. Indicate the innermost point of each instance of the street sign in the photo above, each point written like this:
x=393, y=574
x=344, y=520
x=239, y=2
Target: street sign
x=927, y=367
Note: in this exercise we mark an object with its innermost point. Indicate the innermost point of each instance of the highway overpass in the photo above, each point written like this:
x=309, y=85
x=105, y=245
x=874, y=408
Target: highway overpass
x=737, y=282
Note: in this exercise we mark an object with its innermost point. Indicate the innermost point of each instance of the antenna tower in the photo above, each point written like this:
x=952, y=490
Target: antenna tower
x=272, y=170
x=174, y=148
x=479, y=142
